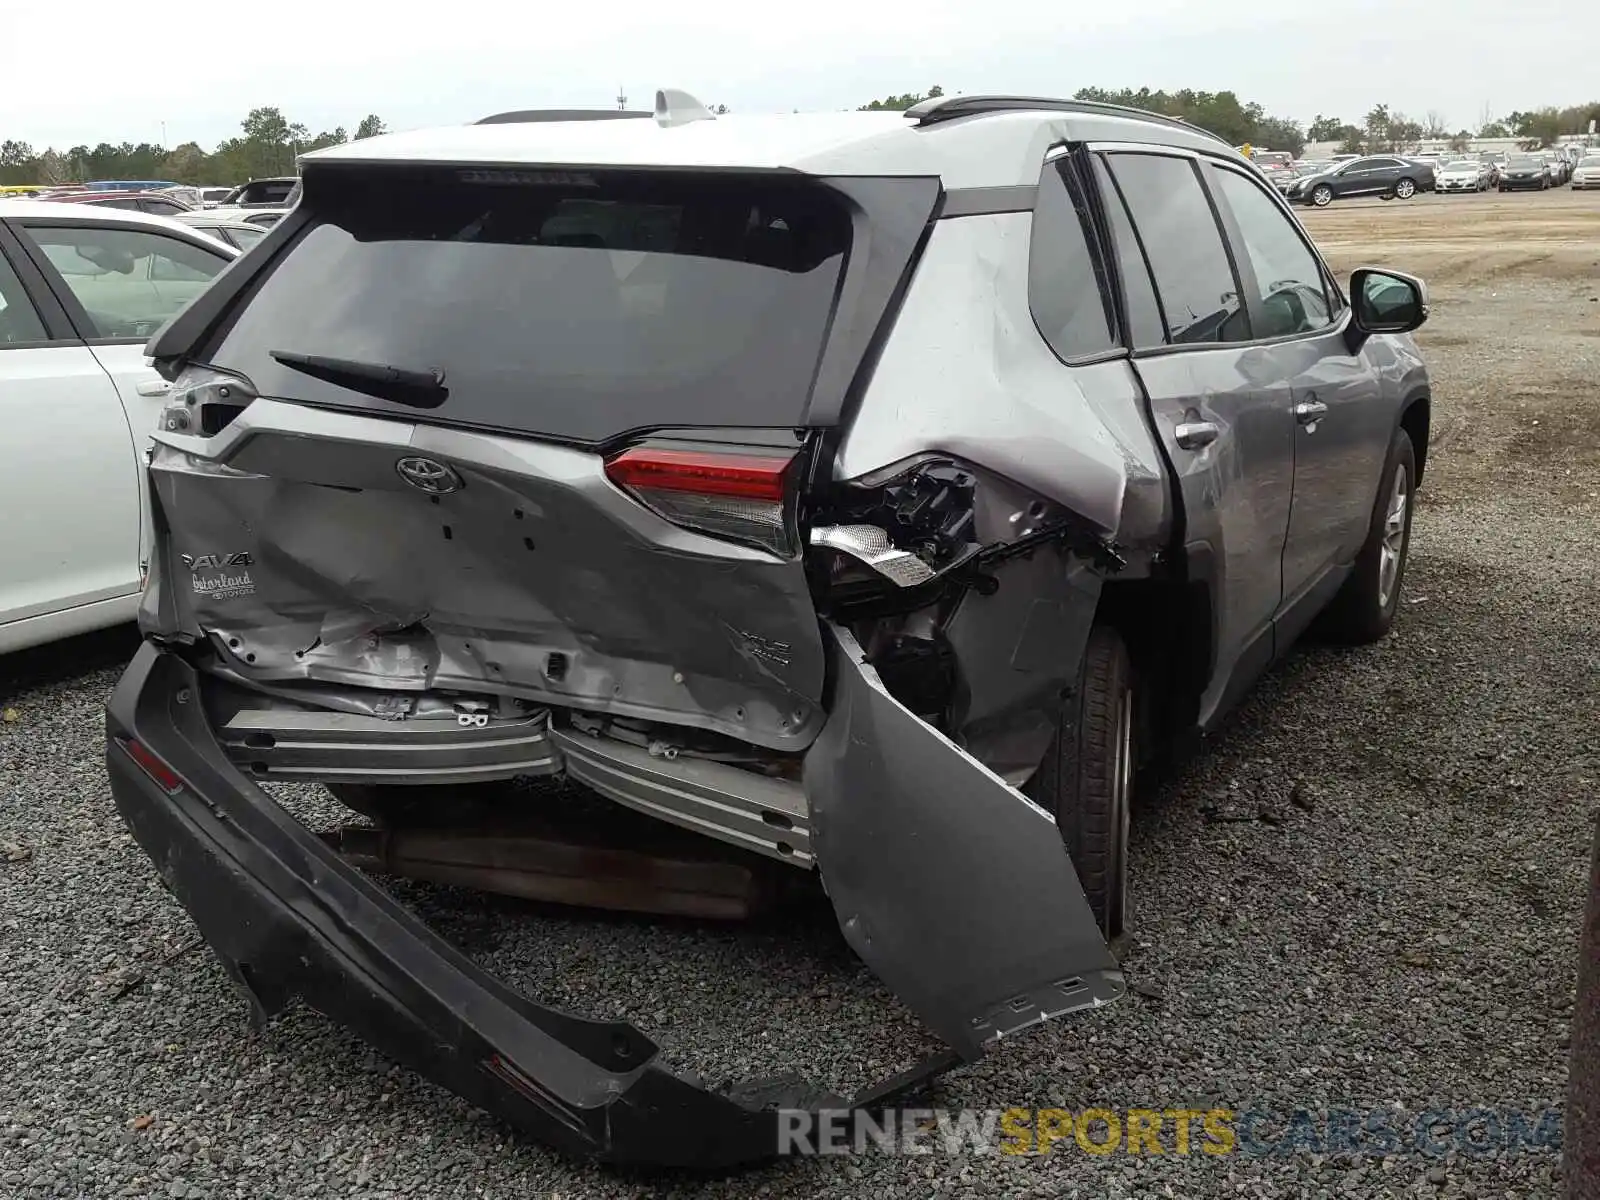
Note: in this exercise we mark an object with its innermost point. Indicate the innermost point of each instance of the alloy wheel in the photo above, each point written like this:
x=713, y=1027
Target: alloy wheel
x=1392, y=549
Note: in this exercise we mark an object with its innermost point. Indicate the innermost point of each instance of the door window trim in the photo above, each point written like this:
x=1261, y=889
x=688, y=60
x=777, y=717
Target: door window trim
x=67, y=299
x=1232, y=231
x=37, y=289
x=1069, y=156
x=1197, y=161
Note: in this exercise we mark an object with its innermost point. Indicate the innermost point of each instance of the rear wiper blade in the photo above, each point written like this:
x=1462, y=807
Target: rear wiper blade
x=420, y=389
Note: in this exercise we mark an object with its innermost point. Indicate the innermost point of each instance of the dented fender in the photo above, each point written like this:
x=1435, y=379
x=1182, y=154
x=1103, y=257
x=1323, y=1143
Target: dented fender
x=954, y=887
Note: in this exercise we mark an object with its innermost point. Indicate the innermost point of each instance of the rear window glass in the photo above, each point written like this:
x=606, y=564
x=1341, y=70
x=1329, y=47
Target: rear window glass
x=576, y=305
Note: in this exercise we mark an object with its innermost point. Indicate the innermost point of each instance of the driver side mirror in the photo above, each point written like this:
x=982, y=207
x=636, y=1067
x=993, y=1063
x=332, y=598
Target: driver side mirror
x=1387, y=302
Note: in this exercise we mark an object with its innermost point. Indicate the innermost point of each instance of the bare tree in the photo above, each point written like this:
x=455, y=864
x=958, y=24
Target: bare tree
x=1433, y=124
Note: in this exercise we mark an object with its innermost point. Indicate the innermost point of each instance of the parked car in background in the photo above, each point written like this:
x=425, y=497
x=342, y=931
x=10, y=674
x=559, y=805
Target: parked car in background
x=1279, y=175
x=237, y=232
x=1496, y=160
x=1525, y=172
x=266, y=218
x=1378, y=175
x=1560, y=168
x=210, y=197
x=190, y=197
x=668, y=479
x=82, y=288
x=259, y=193
x=157, y=204
x=1586, y=174
x=1463, y=175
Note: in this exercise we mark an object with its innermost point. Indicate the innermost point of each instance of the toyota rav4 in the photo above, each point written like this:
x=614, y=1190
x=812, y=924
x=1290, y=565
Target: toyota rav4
x=868, y=493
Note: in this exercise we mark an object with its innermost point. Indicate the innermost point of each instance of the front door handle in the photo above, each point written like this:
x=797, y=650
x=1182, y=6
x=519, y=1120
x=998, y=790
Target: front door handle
x=1309, y=412
x=153, y=387
x=1195, y=435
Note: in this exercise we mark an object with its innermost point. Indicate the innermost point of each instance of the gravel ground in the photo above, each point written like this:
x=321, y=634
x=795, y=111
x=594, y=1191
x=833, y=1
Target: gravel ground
x=1363, y=895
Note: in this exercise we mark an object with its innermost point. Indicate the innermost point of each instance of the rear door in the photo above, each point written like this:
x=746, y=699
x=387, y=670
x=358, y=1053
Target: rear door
x=1363, y=177
x=118, y=284
x=1342, y=427
x=70, y=489
x=1220, y=406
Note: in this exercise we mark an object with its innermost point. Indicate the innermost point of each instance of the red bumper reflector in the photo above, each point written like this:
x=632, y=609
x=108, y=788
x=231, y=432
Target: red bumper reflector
x=747, y=476
x=152, y=766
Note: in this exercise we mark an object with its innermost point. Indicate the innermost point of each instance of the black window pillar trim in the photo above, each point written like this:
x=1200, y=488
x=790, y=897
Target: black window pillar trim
x=1079, y=161
x=1244, y=271
x=181, y=335
x=37, y=287
x=1144, y=254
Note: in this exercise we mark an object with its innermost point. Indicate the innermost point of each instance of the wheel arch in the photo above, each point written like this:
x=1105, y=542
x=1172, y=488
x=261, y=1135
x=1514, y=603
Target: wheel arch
x=1416, y=417
x=1168, y=628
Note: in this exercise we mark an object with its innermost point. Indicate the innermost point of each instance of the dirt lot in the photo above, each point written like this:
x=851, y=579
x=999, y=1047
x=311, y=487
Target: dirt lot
x=1361, y=898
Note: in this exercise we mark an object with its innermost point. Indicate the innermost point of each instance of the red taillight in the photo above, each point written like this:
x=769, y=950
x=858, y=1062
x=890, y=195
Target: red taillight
x=749, y=476
x=742, y=495
x=152, y=766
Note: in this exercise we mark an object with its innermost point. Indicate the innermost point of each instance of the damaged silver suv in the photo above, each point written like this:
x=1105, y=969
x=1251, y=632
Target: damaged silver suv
x=868, y=493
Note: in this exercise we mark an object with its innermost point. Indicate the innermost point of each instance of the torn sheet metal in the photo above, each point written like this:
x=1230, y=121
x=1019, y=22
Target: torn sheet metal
x=955, y=888
x=1018, y=648
x=313, y=560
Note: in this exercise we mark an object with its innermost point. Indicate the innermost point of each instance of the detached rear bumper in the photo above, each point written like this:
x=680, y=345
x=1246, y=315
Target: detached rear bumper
x=288, y=918
x=954, y=887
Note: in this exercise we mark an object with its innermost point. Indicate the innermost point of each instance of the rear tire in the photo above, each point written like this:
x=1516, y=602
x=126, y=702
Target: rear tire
x=1365, y=607
x=1405, y=189
x=1086, y=777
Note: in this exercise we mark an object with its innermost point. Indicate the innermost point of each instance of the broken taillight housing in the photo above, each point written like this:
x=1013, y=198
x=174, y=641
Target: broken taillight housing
x=744, y=495
x=203, y=401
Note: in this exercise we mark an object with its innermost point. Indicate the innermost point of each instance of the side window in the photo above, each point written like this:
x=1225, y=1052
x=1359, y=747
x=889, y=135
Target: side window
x=19, y=320
x=129, y=282
x=1288, y=275
x=1067, y=288
x=162, y=208
x=1144, y=313
x=130, y=204
x=1193, y=276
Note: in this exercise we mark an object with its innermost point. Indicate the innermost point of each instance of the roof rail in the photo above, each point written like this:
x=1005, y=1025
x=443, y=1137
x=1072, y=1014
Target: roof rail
x=948, y=108
x=531, y=115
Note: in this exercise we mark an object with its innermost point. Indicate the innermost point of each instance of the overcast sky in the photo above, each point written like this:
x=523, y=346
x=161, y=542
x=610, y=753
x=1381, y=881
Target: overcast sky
x=114, y=72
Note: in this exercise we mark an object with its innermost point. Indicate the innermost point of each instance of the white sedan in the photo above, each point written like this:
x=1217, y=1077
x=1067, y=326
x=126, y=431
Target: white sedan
x=81, y=290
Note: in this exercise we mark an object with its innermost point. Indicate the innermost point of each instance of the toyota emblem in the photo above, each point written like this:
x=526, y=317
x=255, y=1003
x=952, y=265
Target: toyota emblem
x=428, y=475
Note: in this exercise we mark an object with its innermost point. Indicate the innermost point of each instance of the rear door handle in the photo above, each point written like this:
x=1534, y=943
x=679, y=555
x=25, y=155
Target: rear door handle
x=1310, y=411
x=1195, y=435
x=153, y=387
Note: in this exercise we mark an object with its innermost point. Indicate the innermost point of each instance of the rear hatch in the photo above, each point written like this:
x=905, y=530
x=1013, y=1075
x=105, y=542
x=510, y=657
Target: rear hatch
x=532, y=433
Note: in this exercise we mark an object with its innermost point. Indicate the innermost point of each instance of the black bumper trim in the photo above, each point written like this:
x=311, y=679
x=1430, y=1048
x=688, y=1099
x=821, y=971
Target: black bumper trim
x=288, y=918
